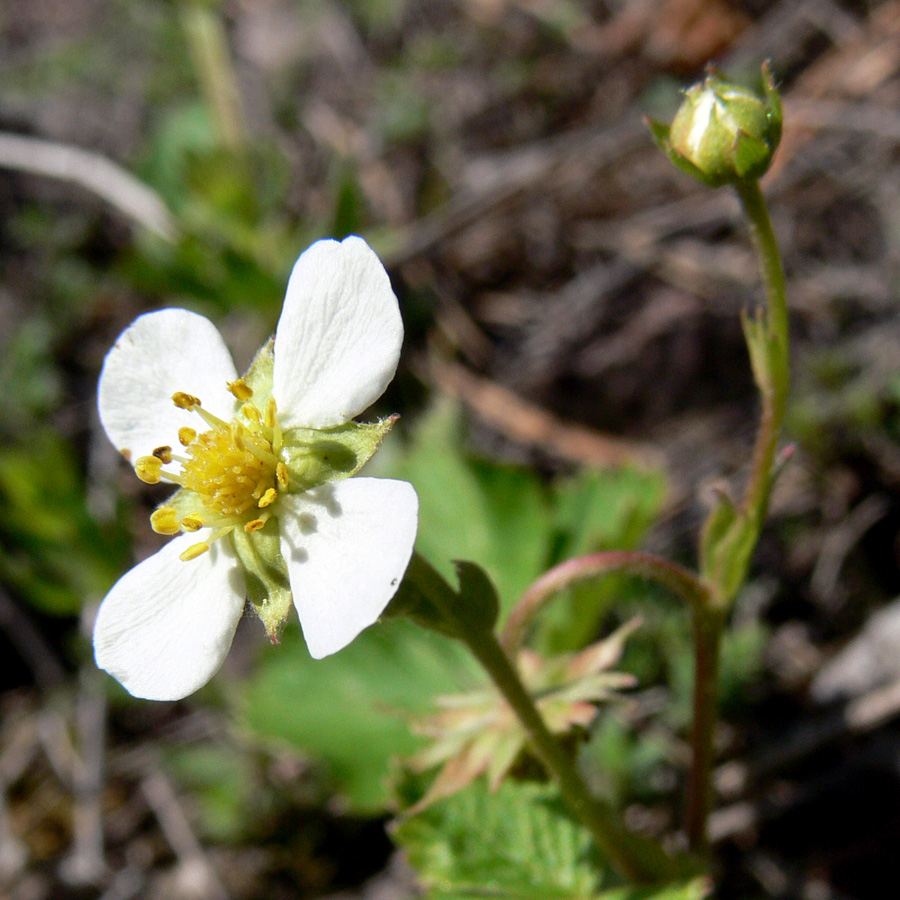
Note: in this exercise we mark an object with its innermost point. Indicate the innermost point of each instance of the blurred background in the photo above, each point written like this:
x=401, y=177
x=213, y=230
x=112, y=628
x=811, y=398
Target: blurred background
x=574, y=378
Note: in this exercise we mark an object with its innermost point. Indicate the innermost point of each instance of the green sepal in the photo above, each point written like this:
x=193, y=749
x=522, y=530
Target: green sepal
x=661, y=136
x=260, y=375
x=660, y=132
x=265, y=574
x=683, y=164
x=751, y=155
x=775, y=111
x=315, y=456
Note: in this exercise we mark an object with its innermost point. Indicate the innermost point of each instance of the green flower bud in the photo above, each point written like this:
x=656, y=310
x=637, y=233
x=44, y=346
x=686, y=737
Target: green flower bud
x=723, y=133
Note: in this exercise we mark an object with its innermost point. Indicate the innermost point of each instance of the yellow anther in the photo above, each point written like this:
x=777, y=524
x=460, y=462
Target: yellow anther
x=281, y=473
x=192, y=522
x=163, y=454
x=164, y=521
x=148, y=468
x=237, y=435
x=241, y=390
x=268, y=498
x=271, y=413
x=255, y=525
x=186, y=435
x=185, y=401
x=252, y=413
x=194, y=551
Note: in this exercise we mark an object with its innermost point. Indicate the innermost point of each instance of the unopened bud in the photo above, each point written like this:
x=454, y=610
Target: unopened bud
x=723, y=133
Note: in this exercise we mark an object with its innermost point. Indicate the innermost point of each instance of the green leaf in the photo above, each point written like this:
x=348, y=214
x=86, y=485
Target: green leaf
x=348, y=711
x=596, y=511
x=494, y=515
x=721, y=520
x=510, y=521
x=518, y=842
x=695, y=889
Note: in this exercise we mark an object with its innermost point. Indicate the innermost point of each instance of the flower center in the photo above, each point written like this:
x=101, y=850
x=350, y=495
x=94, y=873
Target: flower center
x=230, y=469
x=231, y=473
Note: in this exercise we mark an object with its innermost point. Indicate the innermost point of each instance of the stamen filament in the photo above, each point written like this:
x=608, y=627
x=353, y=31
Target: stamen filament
x=210, y=419
x=260, y=452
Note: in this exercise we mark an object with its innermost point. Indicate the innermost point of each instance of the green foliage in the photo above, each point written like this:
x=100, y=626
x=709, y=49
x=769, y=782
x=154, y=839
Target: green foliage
x=621, y=764
x=222, y=784
x=26, y=363
x=513, y=523
x=517, y=843
x=349, y=710
x=51, y=549
x=840, y=400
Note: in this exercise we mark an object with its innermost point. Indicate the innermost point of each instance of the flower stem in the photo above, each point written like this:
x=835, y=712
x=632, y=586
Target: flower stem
x=768, y=347
x=708, y=625
x=637, y=860
x=611, y=837
x=664, y=572
x=708, y=622
x=774, y=384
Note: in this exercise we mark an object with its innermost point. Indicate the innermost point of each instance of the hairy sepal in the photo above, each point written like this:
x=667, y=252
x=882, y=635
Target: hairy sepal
x=265, y=572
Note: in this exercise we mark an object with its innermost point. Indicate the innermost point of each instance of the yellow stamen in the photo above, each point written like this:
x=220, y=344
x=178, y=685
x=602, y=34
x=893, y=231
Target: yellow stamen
x=185, y=401
x=233, y=469
x=241, y=390
x=165, y=521
x=252, y=413
x=225, y=466
x=194, y=551
x=259, y=451
x=210, y=419
x=148, y=469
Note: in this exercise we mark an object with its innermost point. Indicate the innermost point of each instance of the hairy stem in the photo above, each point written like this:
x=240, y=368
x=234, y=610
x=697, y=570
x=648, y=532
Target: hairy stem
x=774, y=390
x=615, y=842
x=771, y=370
x=668, y=574
x=708, y=626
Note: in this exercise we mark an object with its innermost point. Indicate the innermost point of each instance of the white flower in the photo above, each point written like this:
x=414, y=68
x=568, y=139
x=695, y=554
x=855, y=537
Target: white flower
x=264, y=508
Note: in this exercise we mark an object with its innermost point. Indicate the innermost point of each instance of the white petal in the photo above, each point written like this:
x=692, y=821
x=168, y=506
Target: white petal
x=159, y=354
x=347, y=545
x=166, y=626
x=339, y=335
